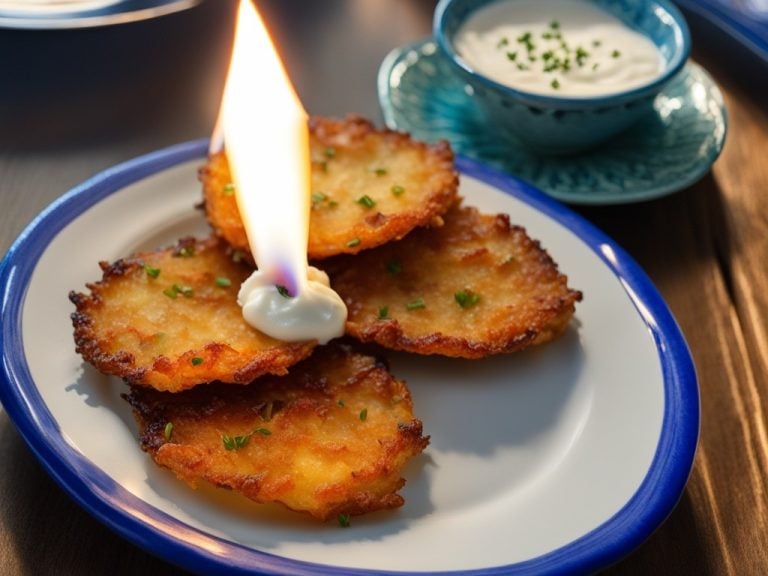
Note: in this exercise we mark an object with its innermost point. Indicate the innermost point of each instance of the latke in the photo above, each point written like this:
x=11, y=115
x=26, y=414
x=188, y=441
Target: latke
x=170, y=320
x=474, y=287
x=369, y=187
x=329, y=438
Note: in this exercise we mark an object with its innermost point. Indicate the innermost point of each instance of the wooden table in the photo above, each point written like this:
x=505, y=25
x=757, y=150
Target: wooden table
x=75, y=102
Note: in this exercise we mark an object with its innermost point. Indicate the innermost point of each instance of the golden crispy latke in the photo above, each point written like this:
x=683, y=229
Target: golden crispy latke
x=329, y=438
x=368, y=187
x=170, y=319
x=474, y=287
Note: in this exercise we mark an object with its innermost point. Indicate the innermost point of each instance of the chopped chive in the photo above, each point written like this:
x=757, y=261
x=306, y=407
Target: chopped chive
x=366, y=201
x=184, y=290
x=596, y=43
x=340, y=403
x=416, y=304
x=393, y=266
x=511, y=56
x=171, y=291
x=379, y=171
x=344, y=521
x=354, y=242
x=283, y=291
x=151, y=271
x=168, y=430
x=329, y=152
x=223, y=282
x=235, y=442
x=229, y=189
x=466, y=298
x=554, y=24
x=383, y=312
x=397, y=190
x=318, y=197
x=196, y=361
x=503, y=42
x=363, y=414
x=332, y=204
x=615, y=54
x=324, y=166
x=262, y=431
x=555, y=84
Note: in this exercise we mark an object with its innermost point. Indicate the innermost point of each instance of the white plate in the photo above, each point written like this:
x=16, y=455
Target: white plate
x=559, y=459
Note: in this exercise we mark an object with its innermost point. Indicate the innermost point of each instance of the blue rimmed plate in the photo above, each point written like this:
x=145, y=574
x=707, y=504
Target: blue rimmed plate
x=670, y=149
x=556, y=460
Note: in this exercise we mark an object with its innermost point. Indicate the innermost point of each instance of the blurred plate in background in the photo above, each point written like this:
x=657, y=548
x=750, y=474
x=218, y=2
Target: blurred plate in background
x=57, y=14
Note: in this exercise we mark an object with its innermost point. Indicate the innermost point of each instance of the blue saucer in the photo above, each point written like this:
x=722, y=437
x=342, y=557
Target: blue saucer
x=670, y=149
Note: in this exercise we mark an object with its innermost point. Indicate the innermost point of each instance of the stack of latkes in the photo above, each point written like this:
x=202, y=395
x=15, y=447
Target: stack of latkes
x=321, y=429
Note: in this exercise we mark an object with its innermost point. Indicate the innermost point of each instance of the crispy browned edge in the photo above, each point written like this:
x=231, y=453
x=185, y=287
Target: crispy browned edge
x=122, y=364
x=553, y=314
x=378, y=228
x=153, y=409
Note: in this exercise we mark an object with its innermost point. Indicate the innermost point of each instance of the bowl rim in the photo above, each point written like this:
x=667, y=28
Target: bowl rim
x=674, y=65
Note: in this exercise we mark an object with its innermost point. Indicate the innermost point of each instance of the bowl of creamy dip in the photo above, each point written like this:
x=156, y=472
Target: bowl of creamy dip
x=563, y=75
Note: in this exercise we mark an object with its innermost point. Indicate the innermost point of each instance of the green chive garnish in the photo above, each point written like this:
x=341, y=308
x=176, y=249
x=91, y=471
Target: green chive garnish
x=366, y=201
x=151, y=271
x=363, y=414
x=383, y=312
x=196, y=361
x=393, y=266
x=354, y=242
x=229, y=189
x=283, y=291
x=416, y=304
x=397, y=190
x=344, y=520
x=168, y=430
x=466, y=298
x=223, y=282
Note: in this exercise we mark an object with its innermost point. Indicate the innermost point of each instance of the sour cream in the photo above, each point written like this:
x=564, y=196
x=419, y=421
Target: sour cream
x=315, y=312
x=557, y=47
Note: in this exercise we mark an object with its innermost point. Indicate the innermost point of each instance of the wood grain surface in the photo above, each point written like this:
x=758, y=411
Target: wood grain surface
x=75, y=102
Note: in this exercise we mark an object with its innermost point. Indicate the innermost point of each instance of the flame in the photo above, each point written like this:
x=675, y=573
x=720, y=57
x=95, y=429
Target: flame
x=263, y=127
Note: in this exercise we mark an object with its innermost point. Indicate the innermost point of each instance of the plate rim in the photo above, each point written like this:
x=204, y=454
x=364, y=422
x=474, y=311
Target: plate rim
x=397, y=54
x=165, y=536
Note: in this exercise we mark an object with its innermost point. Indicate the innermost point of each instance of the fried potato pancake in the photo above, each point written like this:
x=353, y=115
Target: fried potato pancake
x=170, y=319
x=474, y=287
x=369, y=187
x=329, y=438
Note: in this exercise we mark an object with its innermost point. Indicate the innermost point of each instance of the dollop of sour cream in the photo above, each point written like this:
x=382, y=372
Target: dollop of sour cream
x=315, y=312
x=557, y=47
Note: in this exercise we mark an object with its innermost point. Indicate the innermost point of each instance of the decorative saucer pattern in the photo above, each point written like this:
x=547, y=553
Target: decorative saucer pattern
x=664, y=152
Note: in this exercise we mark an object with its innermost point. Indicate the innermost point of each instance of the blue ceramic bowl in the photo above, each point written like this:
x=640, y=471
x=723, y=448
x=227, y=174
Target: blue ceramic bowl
x=563, y=124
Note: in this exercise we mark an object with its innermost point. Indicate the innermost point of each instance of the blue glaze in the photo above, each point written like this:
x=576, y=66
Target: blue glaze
x=559, y=124
x=671, y=147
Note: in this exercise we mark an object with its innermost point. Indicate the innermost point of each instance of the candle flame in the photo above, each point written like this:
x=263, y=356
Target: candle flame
x=263, y=127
